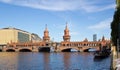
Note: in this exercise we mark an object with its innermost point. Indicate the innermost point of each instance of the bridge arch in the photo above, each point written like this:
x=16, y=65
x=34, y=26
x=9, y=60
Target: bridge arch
x=44, y=49
x=0, y=50
x=68, y=49
x=25, y=50
x=10, y=50
x=88, y=49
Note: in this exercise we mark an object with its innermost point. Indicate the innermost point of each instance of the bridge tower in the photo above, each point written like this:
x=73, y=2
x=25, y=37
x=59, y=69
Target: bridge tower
x=103, y=38
x=46, y=37
x=66, y=36
x=103, y=42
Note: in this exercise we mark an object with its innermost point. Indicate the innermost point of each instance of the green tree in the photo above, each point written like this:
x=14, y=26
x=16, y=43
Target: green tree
x=118, y=3
x=115, y=25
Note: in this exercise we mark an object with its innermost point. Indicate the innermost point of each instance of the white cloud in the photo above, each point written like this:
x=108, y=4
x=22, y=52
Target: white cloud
x=107, y=7
x=6, y=1
x=63, y=5
x=101, y=25
x=97, y=9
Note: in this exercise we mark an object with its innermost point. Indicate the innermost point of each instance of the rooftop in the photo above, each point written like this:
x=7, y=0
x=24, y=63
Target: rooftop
x=15, y=29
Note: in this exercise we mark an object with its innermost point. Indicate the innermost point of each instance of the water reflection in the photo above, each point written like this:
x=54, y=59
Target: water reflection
x=46, y=58
x=8, y=61
x=66, y=60
x=51, y=61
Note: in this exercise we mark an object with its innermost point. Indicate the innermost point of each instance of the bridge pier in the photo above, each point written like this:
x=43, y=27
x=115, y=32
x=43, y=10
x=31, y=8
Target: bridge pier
x=16, y=50
x=35, y=49
x=4, y=48
x=57, y=50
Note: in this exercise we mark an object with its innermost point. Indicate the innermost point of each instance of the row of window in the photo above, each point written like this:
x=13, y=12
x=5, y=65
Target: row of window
x=79, y=45
x=30, y=45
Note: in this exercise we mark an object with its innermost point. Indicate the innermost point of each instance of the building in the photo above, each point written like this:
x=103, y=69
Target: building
x=94, y=37
x=10, y=34
x=35, y=38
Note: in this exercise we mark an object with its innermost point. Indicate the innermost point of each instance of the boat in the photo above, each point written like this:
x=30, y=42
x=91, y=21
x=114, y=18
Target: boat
x=102, y=53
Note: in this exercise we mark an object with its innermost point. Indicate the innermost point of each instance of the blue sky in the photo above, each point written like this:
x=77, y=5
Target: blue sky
x=84, y=17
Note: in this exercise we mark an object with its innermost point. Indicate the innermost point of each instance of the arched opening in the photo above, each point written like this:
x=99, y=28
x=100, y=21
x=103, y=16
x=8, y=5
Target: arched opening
x=63, y=44
x=92, y=50
x=86, y=50
x=44, y=49
x=74, y=50
x=70, y=50
x=47, y=44
x=25, y=50
x=67, y=50
x=84, y=44
x=67, y=44
x=10, y=50
x=0, y=50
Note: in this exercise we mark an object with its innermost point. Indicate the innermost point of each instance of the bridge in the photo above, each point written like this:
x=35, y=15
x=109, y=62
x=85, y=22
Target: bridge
x=46, y=45
x=81, y=46
x=64, y=46
x=26, y=47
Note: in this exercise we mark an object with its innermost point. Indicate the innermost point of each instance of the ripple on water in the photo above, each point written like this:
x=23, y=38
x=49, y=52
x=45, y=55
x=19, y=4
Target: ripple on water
x=51, y=61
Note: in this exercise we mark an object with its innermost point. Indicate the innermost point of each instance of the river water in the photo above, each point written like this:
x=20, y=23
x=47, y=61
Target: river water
x=52, y=61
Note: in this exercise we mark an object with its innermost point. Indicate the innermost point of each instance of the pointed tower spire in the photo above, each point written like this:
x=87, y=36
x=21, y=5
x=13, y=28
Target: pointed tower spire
x=86, y=40
x=46, y=28
x=103, y=38
x=66, y=26
x=103, y=43
x=66, y=36
x=46, y=37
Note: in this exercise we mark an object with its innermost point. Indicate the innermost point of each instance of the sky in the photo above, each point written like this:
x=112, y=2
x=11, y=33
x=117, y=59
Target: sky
x=84, y=17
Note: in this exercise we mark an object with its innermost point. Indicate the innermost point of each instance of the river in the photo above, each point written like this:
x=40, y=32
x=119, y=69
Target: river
x=52, y=61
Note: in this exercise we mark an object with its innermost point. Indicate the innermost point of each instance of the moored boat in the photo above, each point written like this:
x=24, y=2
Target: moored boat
x=102, y=54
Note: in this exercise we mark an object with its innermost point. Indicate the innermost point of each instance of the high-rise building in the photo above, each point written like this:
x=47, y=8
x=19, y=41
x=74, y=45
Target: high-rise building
x=94, y=37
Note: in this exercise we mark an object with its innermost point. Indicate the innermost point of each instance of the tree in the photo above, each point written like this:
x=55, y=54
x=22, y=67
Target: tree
x=118, y=3
x=115, y=25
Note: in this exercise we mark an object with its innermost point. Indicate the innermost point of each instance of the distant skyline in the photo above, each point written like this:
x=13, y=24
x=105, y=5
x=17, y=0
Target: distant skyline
x=84, y=17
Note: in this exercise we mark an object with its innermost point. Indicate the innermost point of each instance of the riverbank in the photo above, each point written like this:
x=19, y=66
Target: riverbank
x=115, y=58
